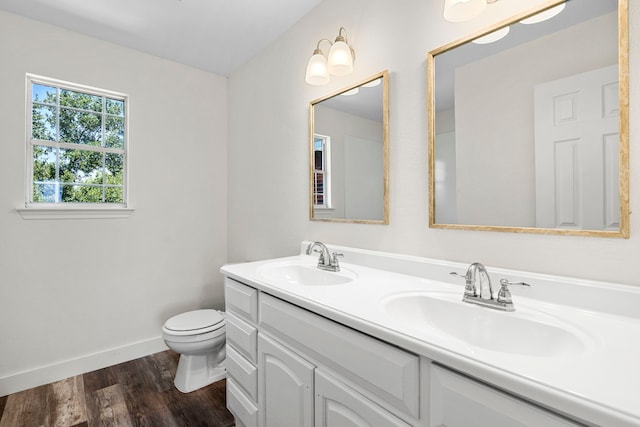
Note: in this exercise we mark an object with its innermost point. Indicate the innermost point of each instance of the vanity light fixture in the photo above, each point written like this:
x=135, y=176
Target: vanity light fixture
x=463, y=10
x=339, y=61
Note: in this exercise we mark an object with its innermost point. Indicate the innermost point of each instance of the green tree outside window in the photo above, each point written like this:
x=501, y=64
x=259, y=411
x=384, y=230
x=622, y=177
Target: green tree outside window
x=77, y=146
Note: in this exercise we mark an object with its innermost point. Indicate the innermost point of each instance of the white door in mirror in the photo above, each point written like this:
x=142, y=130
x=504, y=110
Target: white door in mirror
x=576, y=147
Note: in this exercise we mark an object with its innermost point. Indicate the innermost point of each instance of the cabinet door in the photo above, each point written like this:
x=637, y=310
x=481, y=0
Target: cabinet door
x=285, y=385
x=337, y=405
x=459, y=401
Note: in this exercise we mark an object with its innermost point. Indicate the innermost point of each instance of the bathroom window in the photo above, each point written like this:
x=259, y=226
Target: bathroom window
x=321, y=181
x=76, y=145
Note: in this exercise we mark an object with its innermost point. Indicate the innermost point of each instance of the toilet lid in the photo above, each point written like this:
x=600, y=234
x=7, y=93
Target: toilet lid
x=194, y=320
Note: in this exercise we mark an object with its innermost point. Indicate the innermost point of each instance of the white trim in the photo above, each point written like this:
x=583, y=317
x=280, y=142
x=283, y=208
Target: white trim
x=65, y=212
x=68, y=368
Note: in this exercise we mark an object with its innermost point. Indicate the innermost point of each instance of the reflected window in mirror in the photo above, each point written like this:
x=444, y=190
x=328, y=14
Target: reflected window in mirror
x=349, y=154
x=530, y=133
x=321, y=172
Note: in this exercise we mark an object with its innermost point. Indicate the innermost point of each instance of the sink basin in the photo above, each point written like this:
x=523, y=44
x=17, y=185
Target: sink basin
x=526, y=332
x=305, y=274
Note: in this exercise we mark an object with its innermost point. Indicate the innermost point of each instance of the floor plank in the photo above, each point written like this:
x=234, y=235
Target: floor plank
x=28, y=408
x=130, y=394
x=68, y=405
x=3, y=403
x=107, y=407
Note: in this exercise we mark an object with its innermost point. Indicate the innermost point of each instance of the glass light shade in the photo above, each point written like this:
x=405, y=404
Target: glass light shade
x=317, y=74
x=544, y=15
x=493, y=36
x=340, y=61
x=463, y=10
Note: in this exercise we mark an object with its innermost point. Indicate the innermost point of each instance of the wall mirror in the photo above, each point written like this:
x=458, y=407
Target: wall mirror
x=349, y=147
x=529, y=133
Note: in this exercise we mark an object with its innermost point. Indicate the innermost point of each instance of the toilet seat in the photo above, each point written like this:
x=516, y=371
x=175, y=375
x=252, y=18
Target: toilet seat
x=196, y=322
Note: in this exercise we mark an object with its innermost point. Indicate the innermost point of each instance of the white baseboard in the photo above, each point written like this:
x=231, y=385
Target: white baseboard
x=81, y=365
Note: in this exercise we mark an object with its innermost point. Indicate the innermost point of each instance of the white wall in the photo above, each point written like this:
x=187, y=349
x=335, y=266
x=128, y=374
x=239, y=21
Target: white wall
x=83, y=294
x=268, y=125
x=495, y=143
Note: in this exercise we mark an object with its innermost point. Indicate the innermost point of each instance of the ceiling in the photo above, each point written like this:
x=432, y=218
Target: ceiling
x=212, y=35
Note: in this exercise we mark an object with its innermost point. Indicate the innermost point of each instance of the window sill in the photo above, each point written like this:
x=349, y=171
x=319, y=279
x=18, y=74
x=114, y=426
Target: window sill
x=74, y=213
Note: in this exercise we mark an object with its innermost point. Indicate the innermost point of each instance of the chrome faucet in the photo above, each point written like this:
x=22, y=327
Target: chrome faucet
x=475, y=289
x=327, y=261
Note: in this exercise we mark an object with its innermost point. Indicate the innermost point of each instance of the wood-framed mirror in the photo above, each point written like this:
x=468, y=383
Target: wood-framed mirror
x=530, y=133
x=349, y=153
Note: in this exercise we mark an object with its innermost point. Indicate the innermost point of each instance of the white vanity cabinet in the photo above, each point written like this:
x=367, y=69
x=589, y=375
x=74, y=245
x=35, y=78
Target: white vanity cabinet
x=459, y=401
x=286, y=386
x=311, y=371
x=338, y=405
x=289, y=367
x=242, y=352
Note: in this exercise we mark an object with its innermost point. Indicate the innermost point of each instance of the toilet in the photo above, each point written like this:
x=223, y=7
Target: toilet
x=199, y=337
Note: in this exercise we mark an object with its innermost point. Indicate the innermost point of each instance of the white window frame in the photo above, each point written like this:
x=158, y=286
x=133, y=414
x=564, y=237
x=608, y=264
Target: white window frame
x=326, y=163
x=62, y=210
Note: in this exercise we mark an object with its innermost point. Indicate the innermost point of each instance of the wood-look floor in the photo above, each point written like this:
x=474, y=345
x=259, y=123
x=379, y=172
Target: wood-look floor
x=135, y=393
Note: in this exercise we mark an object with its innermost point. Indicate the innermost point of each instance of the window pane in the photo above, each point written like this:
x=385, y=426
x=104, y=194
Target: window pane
x=80, y=127
x=81, y=166
x=45, y=193
x=114, y=195
x=114, y=168
x=42, y=93
x=81, y=194
x=94, y=124
x=43, y=122
x=115, y=107
x=44, y=164
x=84, y=101
x=114, y=132
x=318, y=157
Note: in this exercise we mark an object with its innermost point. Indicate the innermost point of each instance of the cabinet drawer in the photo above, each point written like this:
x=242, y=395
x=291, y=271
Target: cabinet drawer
x=241, y=300
x=459, y=401
x=242, y=337
x=389, y=376
x=243, y=372
x=240, y=405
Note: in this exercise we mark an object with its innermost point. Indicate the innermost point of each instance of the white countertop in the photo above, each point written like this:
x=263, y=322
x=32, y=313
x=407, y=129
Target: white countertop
x=600, y=384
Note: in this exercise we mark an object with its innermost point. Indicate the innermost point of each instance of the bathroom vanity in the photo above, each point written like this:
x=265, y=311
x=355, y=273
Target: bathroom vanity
x=387, y=341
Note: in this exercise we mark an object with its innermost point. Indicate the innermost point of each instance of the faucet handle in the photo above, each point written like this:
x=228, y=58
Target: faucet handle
x=334, y=260
x=469, y=287
x=504, y=295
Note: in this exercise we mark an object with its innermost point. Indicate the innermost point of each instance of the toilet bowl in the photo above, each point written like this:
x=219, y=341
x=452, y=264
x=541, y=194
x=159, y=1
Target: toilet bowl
x=199, y=337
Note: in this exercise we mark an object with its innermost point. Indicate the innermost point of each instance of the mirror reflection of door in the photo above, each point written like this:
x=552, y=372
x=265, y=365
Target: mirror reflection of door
x=363, y=184
x=576, y=145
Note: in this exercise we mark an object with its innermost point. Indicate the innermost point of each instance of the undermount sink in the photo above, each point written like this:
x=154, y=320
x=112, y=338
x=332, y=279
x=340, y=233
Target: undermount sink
x=305, y=274
x=525, y=332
